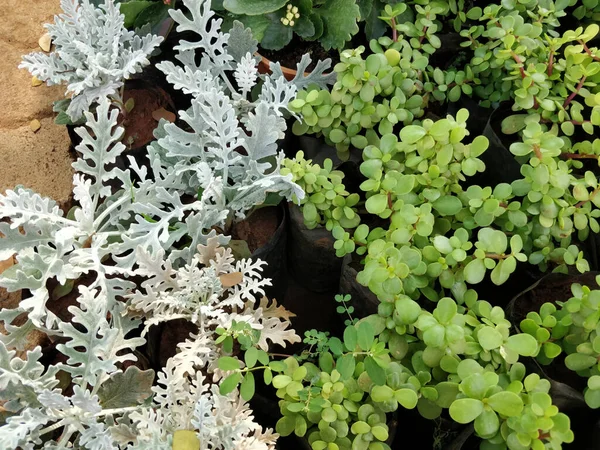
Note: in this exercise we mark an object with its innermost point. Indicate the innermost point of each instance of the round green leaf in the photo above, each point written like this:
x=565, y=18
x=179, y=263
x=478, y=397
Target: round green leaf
x=489, y=338
x=465, y=410
x=523, y=344
x=487, y=424
x=506, y=403
x=412, y=133
x=380, y=432
x=381, y=394
x=406, y=397
x=447, y=205
x=579, y=361
x=474, y=271
x=286, y=425
x=376, y=204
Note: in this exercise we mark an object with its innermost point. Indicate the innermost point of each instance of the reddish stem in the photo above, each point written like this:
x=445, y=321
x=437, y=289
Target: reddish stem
x=577, y=156
x=537, y=151
x=592, y=195
x=394, y=31
x=422, y=38
x=589, y=52
x=573, y=94
x=518, y=60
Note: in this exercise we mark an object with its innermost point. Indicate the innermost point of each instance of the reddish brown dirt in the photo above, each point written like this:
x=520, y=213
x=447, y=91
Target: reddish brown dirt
x=140, y=124
x=258, y=228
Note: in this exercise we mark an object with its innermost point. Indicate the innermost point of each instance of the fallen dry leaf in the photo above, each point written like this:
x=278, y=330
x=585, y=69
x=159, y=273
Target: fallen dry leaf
x=162, y=113
x=6, y=264
x=45, y=42
x=231, y=279
x=35, y=82
x=35, y=125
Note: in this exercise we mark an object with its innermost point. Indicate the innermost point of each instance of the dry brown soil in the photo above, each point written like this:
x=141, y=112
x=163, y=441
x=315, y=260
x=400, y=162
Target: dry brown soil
x=38, y=160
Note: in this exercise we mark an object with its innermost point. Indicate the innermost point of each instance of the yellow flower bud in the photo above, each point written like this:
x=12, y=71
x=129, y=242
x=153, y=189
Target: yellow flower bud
x=295, y=9
x=289, y=6
x=291, y=23
x=297, y=15
x=285, y=21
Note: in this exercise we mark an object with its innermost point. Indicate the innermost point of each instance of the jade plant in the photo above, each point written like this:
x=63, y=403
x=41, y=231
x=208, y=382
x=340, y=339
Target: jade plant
x=94, y=54
x=325, y=201
x=553, y=76
x=392, y=85
x=461, y=357
x=572, y=328
x=517, y=56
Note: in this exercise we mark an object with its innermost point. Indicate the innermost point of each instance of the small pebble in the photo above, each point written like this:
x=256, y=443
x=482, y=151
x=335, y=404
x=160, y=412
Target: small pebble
x=35, y=125
x=45, y=42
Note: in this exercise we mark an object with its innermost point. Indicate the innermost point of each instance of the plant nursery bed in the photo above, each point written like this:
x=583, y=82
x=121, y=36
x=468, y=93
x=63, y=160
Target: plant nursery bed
x=390, y=243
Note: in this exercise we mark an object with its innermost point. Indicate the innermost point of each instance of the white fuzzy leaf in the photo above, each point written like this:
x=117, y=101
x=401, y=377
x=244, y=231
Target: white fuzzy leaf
x=94, y=53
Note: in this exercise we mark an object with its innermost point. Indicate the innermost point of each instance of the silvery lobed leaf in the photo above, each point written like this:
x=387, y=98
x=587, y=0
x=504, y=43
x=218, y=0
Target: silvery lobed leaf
x=22, y=380
x=94, y=53
x=316, y=75
x=241, y=42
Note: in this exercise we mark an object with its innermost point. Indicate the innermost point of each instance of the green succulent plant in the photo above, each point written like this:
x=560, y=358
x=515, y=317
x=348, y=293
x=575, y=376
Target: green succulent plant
x=441, y=234
x=571, y=327
x=427, y=231
x=460, y=357
x=326, y=203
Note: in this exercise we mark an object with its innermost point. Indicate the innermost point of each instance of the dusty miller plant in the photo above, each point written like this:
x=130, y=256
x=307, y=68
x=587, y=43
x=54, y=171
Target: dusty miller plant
x=114, y=236
x=94, y=53
x=230, y=152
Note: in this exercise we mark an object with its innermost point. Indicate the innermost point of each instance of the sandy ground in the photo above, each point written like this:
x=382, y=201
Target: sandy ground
x=38, y=160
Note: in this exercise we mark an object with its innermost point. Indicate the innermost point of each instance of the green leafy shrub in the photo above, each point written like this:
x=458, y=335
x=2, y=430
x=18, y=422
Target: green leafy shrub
x=428, y=232
x=571, y=327
x=460, y=357
x=326, y=201
x=441, y=234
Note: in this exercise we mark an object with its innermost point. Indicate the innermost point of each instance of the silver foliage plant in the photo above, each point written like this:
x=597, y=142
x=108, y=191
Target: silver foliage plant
x=112, y=237
x=159, y=228
x=229, y=148
x=94, y=53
